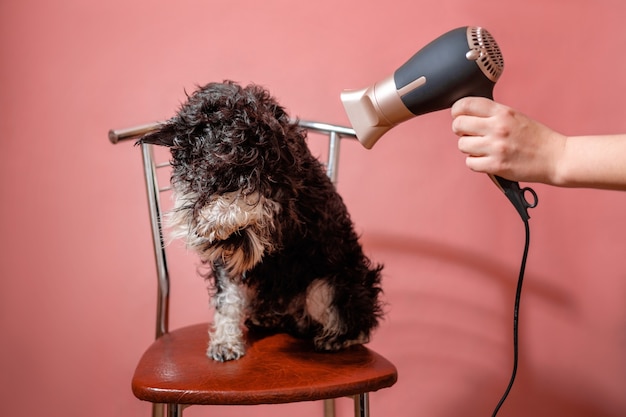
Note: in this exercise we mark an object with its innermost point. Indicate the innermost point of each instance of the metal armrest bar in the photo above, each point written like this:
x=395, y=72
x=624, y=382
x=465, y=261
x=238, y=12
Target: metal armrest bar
x=334, y=132
x=135, y=132
x=120, y=135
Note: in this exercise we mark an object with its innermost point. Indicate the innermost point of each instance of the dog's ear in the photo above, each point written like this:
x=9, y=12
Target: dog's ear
x=163, y=137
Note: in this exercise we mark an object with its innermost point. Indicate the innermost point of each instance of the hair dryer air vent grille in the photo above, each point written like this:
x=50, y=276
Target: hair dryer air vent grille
x=490, y=60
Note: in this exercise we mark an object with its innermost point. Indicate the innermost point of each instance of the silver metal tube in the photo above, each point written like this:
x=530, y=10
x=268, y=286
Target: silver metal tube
x=157, y=241
x=332, y=166
x=174, y=410
x=329, y=407
x=362, y=405
x=158, y=410
x=117, y=135
x=326, y=127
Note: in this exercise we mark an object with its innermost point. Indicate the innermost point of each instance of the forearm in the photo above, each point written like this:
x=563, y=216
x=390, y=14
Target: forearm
x=592, y=162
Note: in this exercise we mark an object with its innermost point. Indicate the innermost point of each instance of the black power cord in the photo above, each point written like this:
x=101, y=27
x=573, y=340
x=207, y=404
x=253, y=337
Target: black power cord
x=518, y=295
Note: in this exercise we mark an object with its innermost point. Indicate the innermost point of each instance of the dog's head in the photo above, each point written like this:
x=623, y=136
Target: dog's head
x=235, y=157
x=230, y=139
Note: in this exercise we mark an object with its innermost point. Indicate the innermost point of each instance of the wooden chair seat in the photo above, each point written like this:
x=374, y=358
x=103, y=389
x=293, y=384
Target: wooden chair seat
x=276, y=369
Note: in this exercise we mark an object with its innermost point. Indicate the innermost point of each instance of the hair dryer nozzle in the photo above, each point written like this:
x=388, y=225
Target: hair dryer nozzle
x=363, y=117
x=374, y=110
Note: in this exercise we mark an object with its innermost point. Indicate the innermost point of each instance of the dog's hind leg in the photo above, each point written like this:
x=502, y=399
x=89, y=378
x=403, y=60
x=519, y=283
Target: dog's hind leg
x=226, y=339
x=321, y=309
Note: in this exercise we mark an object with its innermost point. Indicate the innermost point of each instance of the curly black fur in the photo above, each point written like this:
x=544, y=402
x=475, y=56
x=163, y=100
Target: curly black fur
x=234, y=150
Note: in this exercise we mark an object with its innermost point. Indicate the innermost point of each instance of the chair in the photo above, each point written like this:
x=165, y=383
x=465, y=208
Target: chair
x=174, y=372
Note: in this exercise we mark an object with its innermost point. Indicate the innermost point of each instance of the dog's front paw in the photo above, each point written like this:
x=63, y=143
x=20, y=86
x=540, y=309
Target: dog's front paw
x=223, y=352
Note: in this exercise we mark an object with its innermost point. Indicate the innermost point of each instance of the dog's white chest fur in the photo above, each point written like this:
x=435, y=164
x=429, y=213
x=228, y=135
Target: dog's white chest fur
x=222, y=217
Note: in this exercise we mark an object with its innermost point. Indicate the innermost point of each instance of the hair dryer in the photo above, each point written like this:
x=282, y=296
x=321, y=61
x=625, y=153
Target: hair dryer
x=463, y=62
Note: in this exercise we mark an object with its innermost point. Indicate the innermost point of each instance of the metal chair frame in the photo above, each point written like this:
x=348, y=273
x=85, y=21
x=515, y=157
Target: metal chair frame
x=334, y=133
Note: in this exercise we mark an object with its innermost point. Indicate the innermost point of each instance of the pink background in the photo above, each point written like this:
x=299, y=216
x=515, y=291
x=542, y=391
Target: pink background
x=78, y=291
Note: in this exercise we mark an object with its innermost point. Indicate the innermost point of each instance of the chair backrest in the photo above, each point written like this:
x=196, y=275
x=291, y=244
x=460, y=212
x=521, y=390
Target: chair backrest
x=333, y=133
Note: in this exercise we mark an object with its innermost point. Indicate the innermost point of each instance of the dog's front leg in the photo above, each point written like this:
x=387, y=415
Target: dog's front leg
x=226, y=341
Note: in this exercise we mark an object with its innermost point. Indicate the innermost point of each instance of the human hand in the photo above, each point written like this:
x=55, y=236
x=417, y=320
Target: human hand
x=501, y=141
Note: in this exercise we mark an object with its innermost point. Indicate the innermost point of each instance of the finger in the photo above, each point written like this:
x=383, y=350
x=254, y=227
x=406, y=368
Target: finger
x=473, y=106
x=473, y=145
x=478, y=163
x=470, y=126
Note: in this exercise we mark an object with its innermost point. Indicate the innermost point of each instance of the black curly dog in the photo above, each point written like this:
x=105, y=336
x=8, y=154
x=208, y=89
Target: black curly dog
x=258, y=208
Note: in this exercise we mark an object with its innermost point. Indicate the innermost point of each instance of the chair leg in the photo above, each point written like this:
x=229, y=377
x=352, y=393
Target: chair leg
x=158, y=410
x=329, y=407
x=174, y=410
x=362, y=405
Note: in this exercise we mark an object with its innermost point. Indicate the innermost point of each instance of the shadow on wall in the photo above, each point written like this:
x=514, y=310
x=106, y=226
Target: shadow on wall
x=450, y=332
x=488, y=268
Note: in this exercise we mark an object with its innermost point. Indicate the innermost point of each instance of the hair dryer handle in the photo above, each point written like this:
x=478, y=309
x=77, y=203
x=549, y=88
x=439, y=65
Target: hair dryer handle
x=516, y=195
x=512, y=190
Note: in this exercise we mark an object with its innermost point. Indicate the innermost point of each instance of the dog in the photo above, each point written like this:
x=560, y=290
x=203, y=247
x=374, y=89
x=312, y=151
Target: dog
x=258, y=208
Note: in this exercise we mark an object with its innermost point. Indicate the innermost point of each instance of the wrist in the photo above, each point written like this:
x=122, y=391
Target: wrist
x=558, y=172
